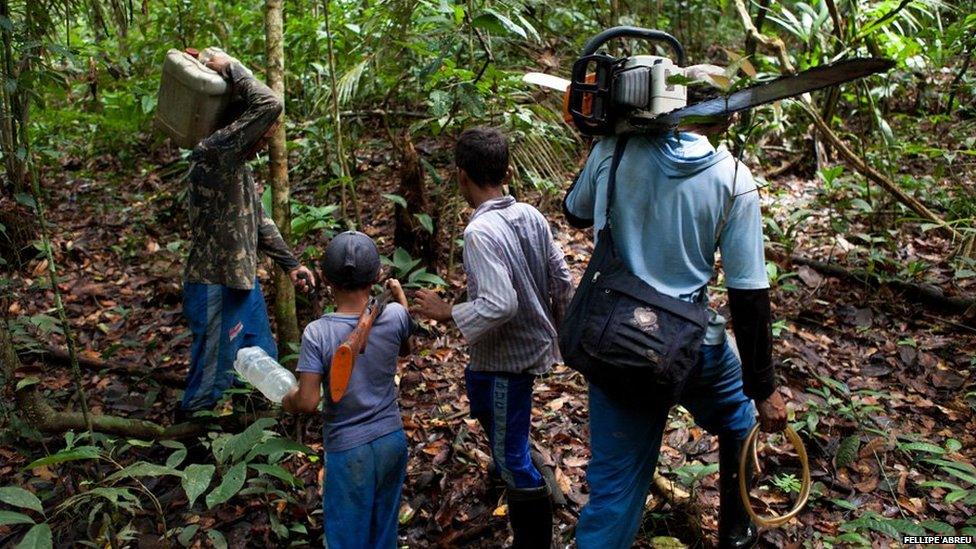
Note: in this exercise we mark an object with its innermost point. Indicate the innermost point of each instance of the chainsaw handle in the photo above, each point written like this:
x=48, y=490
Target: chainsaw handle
x=635, y=32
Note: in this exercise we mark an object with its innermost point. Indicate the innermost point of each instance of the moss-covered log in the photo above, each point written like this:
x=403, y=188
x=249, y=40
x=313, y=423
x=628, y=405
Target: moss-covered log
x=38, y=413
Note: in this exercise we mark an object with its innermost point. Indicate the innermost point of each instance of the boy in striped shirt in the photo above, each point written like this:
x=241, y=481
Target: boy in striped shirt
x=518, y=288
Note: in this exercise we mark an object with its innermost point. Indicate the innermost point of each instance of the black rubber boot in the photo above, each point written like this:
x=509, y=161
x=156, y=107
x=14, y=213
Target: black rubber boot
x=530, y=513
x=496, y=486
x=735, y=529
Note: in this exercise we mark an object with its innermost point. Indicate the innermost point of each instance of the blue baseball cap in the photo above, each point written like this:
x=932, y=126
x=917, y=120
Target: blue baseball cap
x=351, y=260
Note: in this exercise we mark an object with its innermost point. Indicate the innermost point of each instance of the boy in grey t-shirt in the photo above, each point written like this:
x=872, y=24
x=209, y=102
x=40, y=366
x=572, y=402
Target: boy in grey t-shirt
x=365, y=447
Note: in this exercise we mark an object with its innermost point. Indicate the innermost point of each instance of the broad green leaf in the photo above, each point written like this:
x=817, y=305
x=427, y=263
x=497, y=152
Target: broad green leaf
x=922, y=447
x=940, y=484
x=855, y=538
x=143, y=469
x=25, y=199
x=961, y=475
x=426, y=222
x=844, y=504
x=217, y=539
x=11, y=517
x=139, y=443
x=494, y=21
x=27, y=382
x=948, y=464
x=278, y=445
x=276, y=471
x=196, y=480
x=874, y=522
x=403, y=263
x=847, y=451
x=423, y=277
x=18, y=497
x=217, y=447
x=396, y=199
x=176, y=458
x=955, y=496
x=938, y=527
x=277, y=527
x=534, y=34
x=38, y=537
x=239, y=444
x=232, y=483
x=907, y=527
x=266, y=199
x=74, y=454
x=186, y=535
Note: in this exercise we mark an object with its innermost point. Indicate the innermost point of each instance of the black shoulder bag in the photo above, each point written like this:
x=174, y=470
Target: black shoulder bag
x=622, y=334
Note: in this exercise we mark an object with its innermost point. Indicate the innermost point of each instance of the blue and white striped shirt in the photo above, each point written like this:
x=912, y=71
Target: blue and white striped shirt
x=518, y=289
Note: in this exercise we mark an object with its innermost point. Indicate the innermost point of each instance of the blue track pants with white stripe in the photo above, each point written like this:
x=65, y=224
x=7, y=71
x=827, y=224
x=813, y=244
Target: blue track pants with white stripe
x=222, y=320
x=502, y=404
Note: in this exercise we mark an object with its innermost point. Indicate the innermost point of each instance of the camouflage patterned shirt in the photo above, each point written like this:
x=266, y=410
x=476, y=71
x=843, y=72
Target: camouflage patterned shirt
x=228, y=222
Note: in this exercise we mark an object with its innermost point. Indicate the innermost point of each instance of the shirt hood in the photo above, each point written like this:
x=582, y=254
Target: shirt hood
x=685, y=154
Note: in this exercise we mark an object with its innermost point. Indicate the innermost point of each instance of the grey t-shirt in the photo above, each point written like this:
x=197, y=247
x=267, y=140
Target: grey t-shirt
x=369, y=408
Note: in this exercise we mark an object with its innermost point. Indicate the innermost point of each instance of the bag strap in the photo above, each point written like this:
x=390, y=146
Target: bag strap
x=618, y=153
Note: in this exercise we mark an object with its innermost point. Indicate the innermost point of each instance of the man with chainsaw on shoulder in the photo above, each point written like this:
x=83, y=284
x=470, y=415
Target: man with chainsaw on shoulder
x=677, y=199
x=222, y=297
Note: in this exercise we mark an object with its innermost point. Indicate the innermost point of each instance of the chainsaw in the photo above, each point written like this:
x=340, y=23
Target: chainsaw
x=648, y=93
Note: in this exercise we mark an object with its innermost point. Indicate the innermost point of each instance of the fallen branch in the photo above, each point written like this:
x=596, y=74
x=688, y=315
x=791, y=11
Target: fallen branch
x=924, y=294
x=39, y=414
x=60, y=355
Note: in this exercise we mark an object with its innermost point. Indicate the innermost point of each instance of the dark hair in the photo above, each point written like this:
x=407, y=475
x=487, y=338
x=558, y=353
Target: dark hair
x=483, y=154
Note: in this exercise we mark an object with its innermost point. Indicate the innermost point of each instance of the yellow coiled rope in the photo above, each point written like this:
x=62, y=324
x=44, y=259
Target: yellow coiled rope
x=750, y=450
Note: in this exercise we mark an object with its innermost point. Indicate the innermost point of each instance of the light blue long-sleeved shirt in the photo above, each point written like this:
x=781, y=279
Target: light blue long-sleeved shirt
x=676, y=200
x=518, y=289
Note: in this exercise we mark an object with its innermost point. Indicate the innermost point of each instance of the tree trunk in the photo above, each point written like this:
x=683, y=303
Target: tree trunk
x=409, y=233
x=21, y=230
x=278, y=168
x=12, y=103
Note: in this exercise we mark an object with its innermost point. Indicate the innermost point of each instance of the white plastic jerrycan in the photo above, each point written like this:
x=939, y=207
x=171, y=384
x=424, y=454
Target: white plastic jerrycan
x=191, y=97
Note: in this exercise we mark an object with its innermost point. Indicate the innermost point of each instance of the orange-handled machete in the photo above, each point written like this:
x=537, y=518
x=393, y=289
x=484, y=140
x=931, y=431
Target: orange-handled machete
x=345, y=356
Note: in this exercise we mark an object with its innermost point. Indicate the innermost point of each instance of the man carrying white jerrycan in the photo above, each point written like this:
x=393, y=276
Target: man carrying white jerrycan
x=222, y=298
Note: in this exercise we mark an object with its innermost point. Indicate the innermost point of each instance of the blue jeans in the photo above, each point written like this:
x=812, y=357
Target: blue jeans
x=222, y=320
x=361, y=499
x=625, y=443
x=502, y=404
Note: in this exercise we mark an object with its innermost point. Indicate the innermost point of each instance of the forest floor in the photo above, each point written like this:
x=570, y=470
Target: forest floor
x=877, y=382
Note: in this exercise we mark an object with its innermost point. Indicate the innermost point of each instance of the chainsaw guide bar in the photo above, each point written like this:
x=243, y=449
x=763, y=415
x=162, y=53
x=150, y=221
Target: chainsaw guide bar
x=639, y=94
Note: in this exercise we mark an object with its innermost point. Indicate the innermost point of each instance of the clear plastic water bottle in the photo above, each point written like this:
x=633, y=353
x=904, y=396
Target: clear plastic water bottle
x=264, y=373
